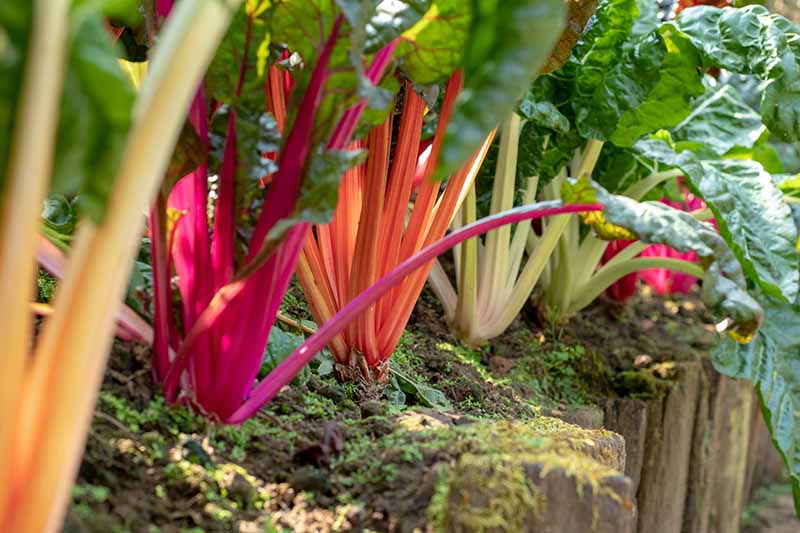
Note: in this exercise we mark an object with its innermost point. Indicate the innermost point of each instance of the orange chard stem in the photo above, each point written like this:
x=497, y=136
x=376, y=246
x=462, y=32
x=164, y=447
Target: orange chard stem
x=367, y=254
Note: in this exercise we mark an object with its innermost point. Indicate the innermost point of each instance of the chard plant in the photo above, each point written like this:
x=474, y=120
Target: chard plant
x=373, y=230
x=601, y=116
x=637, y=87
x=707, y=134
x=73, y=127
x=233, y=266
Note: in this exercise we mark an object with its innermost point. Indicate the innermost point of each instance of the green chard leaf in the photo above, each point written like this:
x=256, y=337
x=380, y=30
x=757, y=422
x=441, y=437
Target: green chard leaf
x=724, y=284
x=629, y=78
x=772, y=362
x=366, y=24
x=96, y=104
x=500, y=61
x=280, y=346
x=15, y=23
x=720, y=121
x=320, y=189
x=432, y=48
x=95, y=116
x=750, y=210
x=763, y=151
x=751, y=40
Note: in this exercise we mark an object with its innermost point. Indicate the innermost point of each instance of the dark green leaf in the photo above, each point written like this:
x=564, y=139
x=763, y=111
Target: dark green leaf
x=256, y=134
x=543, y=152
x=325, y=366
x=95, y=116
x=720, y=120
x=280, y=346
x=424, y=394
x=320, y=189
x=750, y=211
x=318, y=192
x=239, y=51
x=391, y=18
x=619, y=168
x=433, y=47
x=393, y=393
x=538, y=107
x=500, y=62
x=668, y=60
x=15, y=21
x=772, y=362
x=751, y=40
x=304, y=26
x=626, y=78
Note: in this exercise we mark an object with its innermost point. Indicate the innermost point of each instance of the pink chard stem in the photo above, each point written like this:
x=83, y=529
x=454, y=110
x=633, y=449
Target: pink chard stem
x=292, y=365
x=281, y=198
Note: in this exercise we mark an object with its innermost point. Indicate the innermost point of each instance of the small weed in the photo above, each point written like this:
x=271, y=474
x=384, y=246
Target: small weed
x=46, y=284
x=92, y=493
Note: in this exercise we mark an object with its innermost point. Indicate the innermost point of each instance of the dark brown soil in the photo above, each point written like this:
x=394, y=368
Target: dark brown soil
x=319, y=458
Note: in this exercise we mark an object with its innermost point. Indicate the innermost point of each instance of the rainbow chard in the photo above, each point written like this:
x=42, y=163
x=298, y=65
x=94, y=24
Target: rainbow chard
x=210, y=354
x=283, y=374
x=368, y=234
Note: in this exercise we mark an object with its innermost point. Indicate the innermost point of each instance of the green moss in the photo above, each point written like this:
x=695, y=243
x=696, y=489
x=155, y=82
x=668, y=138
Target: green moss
x=374, y=461
x=636, y=384
x=468, y=356
x=504, y=497
x=486, y=487
x=555, y=372
x=405, y=355
x=177, y=419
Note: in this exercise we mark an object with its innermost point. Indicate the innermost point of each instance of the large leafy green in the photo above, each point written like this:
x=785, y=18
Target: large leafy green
x=304, y=26
x=432, y=48
x=751, y=40
x=95, y=111
x=671, y=58
x=750, y=211
x=500, y=61
x=719, y=120
x=772, y=362
x=627, y=78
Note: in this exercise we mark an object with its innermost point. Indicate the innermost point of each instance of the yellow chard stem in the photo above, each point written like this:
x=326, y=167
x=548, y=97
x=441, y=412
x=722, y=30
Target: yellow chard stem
x=70, y=358
x=30, y=163
x=495, y=265
x=467, y=304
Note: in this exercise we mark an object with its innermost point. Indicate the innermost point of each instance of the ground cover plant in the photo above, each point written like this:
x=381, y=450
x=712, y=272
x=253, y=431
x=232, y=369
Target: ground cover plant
x=246, y=143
